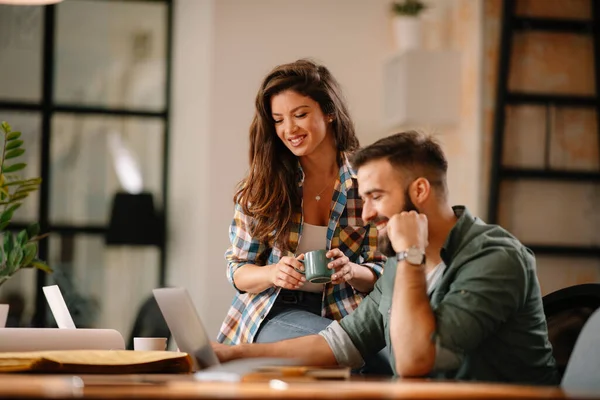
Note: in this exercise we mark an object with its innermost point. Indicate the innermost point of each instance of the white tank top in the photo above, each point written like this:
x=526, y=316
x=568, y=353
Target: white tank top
x=313, y=238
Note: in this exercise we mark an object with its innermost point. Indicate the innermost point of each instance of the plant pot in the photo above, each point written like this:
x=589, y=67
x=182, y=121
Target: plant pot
x=3, y=315
x=407, y=33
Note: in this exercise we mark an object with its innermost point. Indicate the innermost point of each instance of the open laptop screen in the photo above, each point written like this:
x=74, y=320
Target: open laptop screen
x=185, y=325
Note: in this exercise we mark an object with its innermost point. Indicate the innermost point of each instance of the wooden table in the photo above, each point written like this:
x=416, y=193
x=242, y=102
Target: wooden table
x=184, y=387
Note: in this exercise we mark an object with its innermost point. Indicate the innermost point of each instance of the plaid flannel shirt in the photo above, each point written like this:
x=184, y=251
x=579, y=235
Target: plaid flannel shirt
x=346, y=231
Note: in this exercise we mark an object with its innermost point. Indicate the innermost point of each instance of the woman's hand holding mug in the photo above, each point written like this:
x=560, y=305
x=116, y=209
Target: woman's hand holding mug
x=285, y=273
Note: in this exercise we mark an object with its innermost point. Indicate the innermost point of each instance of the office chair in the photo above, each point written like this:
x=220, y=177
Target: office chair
x=581, y=374
x=567, y=311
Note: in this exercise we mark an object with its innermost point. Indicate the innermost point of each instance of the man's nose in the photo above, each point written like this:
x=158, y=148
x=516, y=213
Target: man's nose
x=368, y=212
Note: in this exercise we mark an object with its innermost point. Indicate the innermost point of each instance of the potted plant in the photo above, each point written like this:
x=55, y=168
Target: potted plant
x=18, y=250
x=406, y=23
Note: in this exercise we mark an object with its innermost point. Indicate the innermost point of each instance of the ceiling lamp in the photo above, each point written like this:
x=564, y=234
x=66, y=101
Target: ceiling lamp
x=29, y=2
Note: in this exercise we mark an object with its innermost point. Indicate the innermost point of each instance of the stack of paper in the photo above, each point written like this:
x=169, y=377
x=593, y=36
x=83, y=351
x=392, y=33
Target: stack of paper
x=96, y=362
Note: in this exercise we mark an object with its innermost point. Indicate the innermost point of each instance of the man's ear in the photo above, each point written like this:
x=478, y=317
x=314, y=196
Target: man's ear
x=421, y=190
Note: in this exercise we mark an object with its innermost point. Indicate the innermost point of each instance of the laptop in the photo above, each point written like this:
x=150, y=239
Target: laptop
x=189, y=333
x=59, y=309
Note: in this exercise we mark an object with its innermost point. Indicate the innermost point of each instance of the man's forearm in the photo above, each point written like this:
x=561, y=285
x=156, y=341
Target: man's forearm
x=411, y=322
x=364, y=280
x=311, y=350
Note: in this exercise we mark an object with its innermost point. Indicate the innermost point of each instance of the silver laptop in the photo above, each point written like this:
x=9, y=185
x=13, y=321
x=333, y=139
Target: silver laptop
x=59, y=309
x=190, y=335
x=185, y=325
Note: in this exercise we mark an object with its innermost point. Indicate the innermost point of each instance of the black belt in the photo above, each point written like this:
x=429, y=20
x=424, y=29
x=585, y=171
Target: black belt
x=298, y=297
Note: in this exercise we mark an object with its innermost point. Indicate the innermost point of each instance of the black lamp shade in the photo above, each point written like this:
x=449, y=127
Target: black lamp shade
x=133, y=221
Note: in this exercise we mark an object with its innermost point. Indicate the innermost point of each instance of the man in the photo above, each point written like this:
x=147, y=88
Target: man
x=458, y=299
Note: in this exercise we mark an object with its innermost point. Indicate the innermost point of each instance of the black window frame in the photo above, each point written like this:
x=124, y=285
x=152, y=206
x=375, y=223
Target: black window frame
x=47, y=107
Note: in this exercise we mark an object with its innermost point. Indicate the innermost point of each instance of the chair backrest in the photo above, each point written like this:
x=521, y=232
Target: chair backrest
x=567, y=310
x=149, y=322
x=582, y=372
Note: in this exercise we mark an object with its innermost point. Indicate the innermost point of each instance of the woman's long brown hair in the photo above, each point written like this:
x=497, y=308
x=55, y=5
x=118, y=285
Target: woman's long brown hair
x=269, y=193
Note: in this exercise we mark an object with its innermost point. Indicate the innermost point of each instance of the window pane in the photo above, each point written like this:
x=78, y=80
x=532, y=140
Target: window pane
x=103, y=286
x=111, y=54
x=29, y=124
x=21, y=50
x=94, y=157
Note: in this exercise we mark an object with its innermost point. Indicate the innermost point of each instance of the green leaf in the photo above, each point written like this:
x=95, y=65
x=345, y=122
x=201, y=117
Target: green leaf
x=9, y=242
x=25, y=182
x=33, y=230
x=3, y=225
x=22, y=237
x=6, y=127
x=7, y=215
x=34, y=181
x=22, y=192
x=20, y=254
x=28, y=188
x=39, y=264
x=31, y=186
x=13, y=136
x=14, y=153
x=17, y=197
x=13, y=168
x=14, y=144
x=14, y=183
x=30, y=250
x=15, y=256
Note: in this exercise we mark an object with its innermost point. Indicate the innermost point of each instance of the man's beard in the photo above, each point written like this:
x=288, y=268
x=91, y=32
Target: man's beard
x=384, y=244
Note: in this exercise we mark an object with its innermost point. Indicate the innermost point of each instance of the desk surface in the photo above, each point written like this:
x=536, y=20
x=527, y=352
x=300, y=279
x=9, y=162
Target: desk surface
x=184, y=387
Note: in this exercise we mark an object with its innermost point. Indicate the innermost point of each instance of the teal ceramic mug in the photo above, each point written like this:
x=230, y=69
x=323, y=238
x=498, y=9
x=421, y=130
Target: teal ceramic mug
x=315, y=267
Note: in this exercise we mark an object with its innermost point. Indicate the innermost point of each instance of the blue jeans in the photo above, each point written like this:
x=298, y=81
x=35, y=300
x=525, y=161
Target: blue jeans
x=288, y=321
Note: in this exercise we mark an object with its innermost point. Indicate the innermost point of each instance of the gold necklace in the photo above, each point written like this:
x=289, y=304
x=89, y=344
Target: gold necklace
x=318, y=195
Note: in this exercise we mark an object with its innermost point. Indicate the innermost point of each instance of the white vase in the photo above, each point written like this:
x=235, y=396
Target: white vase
x=3, y=315
x=407, y=33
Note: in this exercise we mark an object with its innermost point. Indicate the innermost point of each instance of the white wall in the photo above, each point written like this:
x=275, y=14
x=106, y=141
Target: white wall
x=190, y=235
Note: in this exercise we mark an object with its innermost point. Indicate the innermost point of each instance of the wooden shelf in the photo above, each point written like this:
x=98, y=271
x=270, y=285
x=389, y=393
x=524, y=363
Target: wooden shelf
x=577, y=26
x=573, y=251
x=545, y=174
x=546, y=98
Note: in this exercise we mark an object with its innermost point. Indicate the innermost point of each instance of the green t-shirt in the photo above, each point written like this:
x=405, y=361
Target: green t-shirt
x=487, y=306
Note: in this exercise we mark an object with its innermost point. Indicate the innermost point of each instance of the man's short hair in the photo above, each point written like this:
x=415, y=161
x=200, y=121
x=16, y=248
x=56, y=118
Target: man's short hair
x=412, y=153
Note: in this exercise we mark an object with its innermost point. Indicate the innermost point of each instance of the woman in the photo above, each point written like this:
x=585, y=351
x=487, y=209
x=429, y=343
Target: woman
x=300, y=195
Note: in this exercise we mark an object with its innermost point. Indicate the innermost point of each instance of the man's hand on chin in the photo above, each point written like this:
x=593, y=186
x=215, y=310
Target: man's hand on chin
x=224, y=352
x=408, y=229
